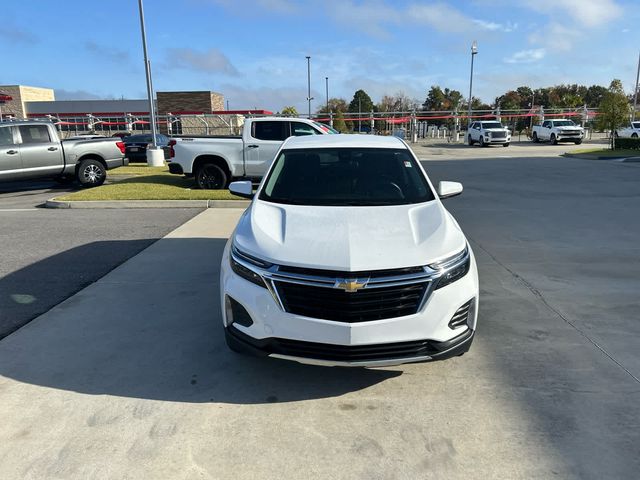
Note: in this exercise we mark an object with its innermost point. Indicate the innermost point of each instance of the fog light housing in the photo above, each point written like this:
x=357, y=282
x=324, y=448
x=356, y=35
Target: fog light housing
x=236, y=313
x=464, y=315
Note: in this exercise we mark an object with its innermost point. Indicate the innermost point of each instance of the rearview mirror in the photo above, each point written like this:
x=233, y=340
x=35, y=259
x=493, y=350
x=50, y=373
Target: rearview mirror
x=242, y=189
x=449, y=189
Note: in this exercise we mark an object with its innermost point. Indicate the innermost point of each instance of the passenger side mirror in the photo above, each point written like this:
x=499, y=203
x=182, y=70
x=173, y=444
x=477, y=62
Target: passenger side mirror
x=449, y=189
x=242, y=189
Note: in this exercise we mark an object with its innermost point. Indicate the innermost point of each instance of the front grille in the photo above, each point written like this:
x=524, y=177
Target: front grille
x=335, y=273
x=361, y=306
x=570, y=132
x=498, y=134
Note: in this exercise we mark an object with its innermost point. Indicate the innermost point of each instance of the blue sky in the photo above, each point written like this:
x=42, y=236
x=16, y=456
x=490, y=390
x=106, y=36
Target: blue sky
x=253, y=51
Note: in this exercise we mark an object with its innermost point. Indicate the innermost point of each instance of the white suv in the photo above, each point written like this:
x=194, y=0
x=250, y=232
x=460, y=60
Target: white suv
x=346, y=256
x=487, y=133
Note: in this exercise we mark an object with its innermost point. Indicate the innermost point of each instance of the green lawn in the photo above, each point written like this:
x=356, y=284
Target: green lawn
x=148, y=183
x=605, y=152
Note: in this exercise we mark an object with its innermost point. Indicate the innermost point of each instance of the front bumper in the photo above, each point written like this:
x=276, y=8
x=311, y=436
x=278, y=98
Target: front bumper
x=423, y=336
x=380, y=355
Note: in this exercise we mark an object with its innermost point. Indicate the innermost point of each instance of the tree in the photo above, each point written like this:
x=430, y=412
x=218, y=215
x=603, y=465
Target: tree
x=614, y=109
x=339, y=123
x=361, y=102
x=290, y=111
x=335, y=105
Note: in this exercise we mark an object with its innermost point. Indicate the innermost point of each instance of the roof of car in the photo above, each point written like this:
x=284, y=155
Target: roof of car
x=344, y=141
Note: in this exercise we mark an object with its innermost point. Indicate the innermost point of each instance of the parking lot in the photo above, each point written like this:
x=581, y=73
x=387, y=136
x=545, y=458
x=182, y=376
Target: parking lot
x=130, y=377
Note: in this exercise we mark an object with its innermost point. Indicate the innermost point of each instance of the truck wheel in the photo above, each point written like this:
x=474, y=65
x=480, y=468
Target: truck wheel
x=481, y=141
x=578, y=142
x=633, y=135
x=535, y=138
x=554, y=140
x=470, y=141
x=211, y=177
x=91, y=173
x=505, y=144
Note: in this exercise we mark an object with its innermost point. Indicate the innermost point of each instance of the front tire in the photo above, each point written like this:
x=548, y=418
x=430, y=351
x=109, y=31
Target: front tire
x=554, y=140
x=91, y=173
x=634, y=135
x=211, y=177
x=505, y=144
x=535, y=138
x=578, y=142
x=470, y=141
x=481, y=142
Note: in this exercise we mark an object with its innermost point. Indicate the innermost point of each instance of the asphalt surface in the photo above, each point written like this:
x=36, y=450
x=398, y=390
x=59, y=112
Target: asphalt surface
x=48, y=255
x=115, y=384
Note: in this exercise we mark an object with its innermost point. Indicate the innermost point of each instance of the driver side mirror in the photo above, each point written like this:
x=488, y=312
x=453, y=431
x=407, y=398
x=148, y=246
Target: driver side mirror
x=242, y=189
x=449, y=189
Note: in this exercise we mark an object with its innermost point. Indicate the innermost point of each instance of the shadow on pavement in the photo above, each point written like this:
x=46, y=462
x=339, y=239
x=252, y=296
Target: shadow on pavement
x=152, y=329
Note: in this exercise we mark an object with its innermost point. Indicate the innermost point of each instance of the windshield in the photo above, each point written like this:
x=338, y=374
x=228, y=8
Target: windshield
x=635, y=125
x=563, y=123
x=346, y=177
x=492, y=125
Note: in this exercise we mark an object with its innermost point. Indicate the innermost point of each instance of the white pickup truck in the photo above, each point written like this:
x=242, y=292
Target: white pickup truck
x=632, y=131
x=214, y=161
x=560, y=130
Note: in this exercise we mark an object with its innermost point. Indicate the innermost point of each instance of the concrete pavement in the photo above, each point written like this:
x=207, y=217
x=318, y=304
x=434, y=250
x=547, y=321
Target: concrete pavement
x=130, y=378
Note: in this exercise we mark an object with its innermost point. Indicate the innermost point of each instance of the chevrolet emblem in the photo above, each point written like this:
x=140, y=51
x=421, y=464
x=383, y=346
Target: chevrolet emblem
x=350, y=285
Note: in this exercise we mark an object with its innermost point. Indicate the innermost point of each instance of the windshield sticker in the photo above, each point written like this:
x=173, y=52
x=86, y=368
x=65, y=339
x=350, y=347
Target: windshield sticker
x=407, y=164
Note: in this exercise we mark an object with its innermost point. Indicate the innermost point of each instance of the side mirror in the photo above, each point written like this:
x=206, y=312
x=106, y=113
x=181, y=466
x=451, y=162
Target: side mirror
x=242, y=189
x=449, y=189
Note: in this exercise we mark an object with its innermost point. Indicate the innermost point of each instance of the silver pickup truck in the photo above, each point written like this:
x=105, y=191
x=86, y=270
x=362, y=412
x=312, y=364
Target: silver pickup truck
x=32, y=149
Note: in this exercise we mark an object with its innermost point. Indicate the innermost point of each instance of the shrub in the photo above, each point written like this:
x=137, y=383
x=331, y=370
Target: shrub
x=627, y=143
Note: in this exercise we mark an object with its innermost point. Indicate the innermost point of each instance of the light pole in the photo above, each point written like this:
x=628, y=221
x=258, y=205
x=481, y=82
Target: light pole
x=155, y=156
x=635, y=96
x=326, y=83
x=474, y=51
x=309, y=97
x=359, y=115
x=533, y=109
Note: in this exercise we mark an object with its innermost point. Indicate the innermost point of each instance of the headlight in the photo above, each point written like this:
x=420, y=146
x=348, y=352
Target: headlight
x=241, y=262
x=452, y=268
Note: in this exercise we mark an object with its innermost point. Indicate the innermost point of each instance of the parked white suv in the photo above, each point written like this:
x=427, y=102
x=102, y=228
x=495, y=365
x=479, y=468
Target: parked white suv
x=488, y=133
x=346, y=256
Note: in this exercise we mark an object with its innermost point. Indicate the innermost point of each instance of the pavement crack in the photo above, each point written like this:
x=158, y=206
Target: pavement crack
x=560, y=315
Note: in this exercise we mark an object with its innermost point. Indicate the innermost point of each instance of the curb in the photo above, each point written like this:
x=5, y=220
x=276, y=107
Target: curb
x=631, y=159
x=53, y=203
x=591, y=157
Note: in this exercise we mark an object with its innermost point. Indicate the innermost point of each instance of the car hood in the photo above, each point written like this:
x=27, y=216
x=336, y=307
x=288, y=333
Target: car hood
x=496, y=129
x=349, y=238
x=577, y=127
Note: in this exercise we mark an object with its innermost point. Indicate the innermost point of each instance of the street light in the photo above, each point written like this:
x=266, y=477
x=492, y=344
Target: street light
x=309, y=97
x=155, y=156
x=474, y=51
x=326, y=82
x=635, y=96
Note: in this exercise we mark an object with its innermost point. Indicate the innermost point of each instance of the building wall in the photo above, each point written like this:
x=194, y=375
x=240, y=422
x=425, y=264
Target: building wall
x=21, y=95
x=82, y=107
x=202, y=101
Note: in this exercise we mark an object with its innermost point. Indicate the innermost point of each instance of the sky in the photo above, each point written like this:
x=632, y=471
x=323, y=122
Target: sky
x=253, y=51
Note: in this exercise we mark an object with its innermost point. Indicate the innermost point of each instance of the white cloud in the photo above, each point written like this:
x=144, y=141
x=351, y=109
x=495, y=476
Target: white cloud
x=527, y=56
x=556, y=37
x=209, y=61
x=496, y=27
x=589, y=13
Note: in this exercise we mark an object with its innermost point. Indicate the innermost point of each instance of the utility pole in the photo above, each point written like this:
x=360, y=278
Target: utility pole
x=359, y=114
x=474, y=51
